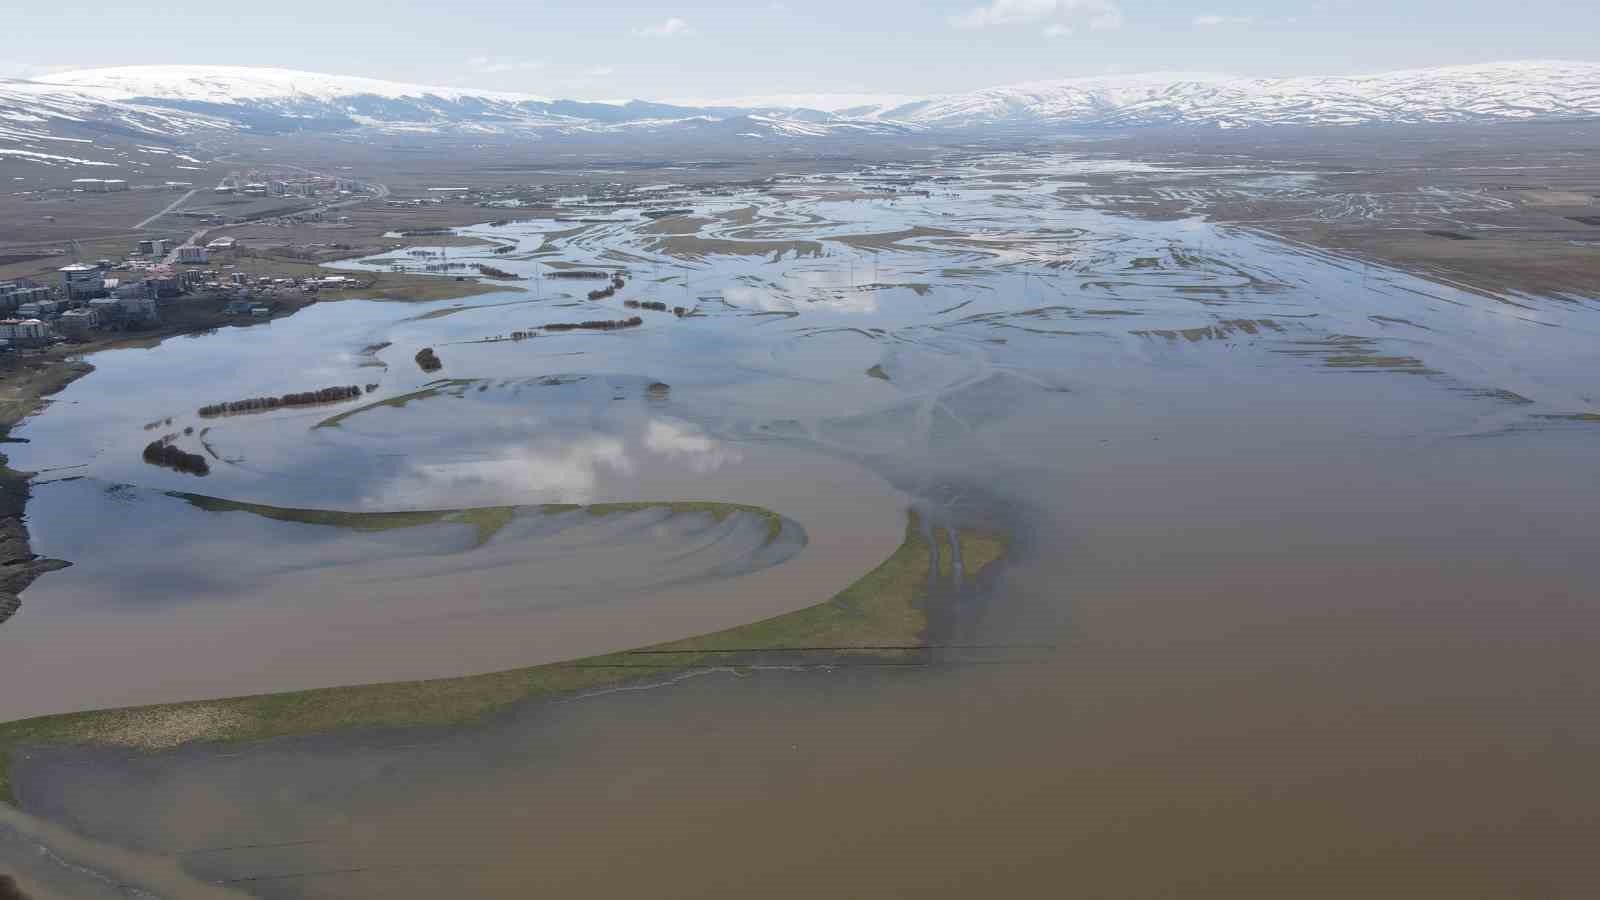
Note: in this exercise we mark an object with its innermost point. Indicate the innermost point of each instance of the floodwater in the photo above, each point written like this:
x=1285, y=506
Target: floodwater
x=1310, y=543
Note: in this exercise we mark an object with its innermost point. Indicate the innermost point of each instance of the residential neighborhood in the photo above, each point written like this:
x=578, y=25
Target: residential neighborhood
x=129, y=294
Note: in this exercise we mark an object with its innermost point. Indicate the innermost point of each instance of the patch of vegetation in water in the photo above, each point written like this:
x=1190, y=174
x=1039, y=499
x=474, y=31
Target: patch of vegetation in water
x=165, y=454
x=486, y=520
x=1356, y=353
x=979, y=550
x=882, y=615
x=432, y=389
x=717, y=511
x=355, y=521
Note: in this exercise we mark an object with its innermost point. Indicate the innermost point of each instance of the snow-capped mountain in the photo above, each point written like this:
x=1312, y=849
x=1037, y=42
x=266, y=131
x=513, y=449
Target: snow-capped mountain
x=277, y=100
x=1501, y=91
x=187, y=103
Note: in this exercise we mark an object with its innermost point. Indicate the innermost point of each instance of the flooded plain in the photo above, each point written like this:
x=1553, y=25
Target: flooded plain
x=1301, y=556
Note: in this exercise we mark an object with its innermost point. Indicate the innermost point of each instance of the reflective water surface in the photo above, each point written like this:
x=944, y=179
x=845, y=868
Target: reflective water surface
x=1311, y=542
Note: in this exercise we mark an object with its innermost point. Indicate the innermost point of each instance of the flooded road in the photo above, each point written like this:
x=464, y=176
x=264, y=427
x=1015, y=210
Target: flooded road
x=1310, y=542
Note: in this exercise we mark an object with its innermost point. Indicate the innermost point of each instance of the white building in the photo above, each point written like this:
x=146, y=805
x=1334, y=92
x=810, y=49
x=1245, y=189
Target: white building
x=99, y=185
x=79, y=280
x=25, y=331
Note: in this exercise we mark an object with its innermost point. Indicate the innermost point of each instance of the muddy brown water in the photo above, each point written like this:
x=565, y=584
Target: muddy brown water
x=1300, y=621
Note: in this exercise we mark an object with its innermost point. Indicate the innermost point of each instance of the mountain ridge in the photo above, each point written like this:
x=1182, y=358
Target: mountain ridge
x=184, y=103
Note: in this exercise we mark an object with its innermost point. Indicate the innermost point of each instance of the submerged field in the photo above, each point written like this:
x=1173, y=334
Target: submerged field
x=1288, y=540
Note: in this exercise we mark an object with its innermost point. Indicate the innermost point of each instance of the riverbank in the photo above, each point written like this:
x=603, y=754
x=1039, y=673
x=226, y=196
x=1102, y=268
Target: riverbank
x=28, y=379
x=882, y=616
x=26, y=383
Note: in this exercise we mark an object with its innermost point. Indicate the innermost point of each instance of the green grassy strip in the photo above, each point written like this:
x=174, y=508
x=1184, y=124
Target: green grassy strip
x=718, y=511
x=355, y=521
x=431, y=390
x=884, y=607
x=488, y=519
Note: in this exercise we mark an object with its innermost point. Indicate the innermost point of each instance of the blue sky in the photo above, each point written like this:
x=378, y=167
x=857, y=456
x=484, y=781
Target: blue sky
x=711, y=50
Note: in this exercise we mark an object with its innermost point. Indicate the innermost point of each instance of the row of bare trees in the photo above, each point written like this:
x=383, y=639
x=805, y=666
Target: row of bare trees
x=596, y=324
x=306, y=398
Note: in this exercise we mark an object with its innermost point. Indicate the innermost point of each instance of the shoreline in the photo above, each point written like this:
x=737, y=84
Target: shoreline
x=28, y=382
x=19, y=565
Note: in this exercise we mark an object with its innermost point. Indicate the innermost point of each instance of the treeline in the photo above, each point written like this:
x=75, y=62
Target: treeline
x=580, y=273
x=161, y=453
x=645, y=304
x=492, y=272
x=596, y=324
x=308, y=398
x=603, y=293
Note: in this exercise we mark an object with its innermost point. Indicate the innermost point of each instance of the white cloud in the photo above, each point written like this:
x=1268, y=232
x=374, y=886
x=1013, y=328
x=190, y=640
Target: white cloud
x=673, y=27
x=1006, y=12
x=491, y=65
x=1059, y=17
x=1213, y=20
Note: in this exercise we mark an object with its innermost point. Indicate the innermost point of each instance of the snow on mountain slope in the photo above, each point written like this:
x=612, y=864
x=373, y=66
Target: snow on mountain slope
x=1451, y=94
x=182, y=102
x=239, y=84
x=50, y=126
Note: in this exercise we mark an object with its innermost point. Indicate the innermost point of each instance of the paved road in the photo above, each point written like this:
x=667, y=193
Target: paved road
x=175, y=204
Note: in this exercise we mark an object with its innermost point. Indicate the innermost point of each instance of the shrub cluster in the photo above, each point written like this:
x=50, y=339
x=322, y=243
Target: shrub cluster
x=492, y=272
x=603, y=293
x=161, y=453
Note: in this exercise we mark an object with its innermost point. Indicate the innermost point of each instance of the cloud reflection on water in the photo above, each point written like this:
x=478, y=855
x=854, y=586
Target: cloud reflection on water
x=577, y=468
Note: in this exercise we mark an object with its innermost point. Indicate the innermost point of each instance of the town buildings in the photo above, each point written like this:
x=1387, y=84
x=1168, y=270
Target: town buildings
x=15, y=293
x=80, y=282
x=25, y=332
x=99, y=185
